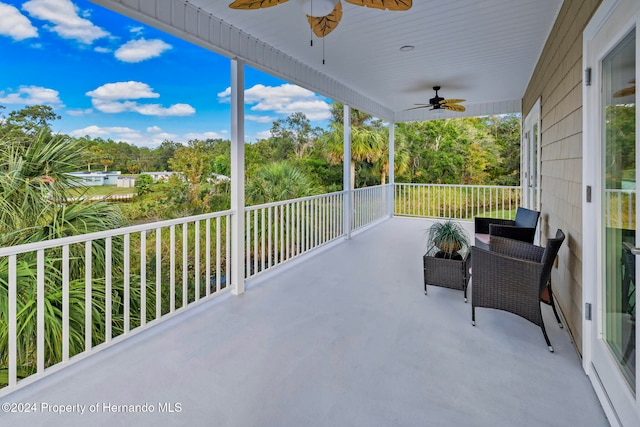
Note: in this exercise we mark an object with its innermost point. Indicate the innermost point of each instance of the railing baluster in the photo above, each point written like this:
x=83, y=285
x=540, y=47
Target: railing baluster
x=207, y=274
x=227, y=263
x=12, y=321
x=263, y=250
x=88, y=257
x=143, y=278
x=218, y=250
x=158, y=273
x=269, y=236
x=287, y=231
x=185, y=264
x=172, y=269
x=247, y=244
x=196, y=261
x=107, y=290
x=40, y=310
x=127, y=282
x=65, y=303
x=255, y=242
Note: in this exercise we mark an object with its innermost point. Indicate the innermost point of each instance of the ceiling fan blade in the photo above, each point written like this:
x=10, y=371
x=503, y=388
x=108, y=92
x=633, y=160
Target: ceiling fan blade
x=625, y=92
x=383, y=4
x=415, y=108
x=454, y=107
x=255, y=4
x=323, y=25
x=452, y=101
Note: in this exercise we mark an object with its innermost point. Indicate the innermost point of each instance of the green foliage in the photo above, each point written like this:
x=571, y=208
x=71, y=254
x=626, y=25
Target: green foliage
x=276, y=182
x=143, y=184
x=34, y=187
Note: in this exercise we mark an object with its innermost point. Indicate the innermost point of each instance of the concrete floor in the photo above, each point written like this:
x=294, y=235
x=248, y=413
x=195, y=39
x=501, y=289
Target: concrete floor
x=345, y=337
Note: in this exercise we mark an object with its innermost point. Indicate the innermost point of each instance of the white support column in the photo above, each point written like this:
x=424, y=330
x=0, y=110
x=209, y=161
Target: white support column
x=237, y=177
x=392, y=178
x=346, y=173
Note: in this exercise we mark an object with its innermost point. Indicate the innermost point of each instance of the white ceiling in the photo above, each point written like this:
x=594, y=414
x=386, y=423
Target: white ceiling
x=483, y=51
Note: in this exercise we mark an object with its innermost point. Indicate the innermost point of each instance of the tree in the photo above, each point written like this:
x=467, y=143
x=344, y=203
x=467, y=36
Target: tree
x=29, y=120
x=195, y=163
x=293, y=134
x=358, y=118
x=367, y=145
x=143, y=184
x=34, y=187
x=276, y=182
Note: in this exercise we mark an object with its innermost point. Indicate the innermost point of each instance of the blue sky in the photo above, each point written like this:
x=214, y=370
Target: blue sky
x=112, y=77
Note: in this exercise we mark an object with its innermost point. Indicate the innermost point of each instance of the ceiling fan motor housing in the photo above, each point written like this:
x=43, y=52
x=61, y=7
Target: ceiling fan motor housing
x=435, y=101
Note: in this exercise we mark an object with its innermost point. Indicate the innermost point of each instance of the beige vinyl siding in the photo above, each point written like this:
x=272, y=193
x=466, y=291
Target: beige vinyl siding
x=557, y=81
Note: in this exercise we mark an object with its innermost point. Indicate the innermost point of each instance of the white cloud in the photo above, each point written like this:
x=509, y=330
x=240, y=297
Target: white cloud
x=79, y=112
x=117, y=98
x=141, y=50
x=260, y=119
x=14, y=24
x=66, y=20
x=201, y=136
x=265, y=134
x=101, y=49
x=284, y=99
x=126, y=134
x=151, y=137
x=123, y=90
x=32, y=95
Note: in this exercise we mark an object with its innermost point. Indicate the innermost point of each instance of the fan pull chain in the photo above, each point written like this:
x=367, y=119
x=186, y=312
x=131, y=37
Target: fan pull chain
x=323, y=51
x=310, y=28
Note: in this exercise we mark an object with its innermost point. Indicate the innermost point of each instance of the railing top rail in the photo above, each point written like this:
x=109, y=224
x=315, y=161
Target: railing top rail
x=373, y=187
x=286, y=202
x=81, y=238
x=508, y=187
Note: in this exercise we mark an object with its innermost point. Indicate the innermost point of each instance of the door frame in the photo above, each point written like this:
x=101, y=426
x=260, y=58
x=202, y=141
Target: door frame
x=613, y=20
x=533, y=118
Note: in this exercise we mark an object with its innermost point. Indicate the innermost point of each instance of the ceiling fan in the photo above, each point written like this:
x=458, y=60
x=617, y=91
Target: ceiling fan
x=438, y=102
x=324, y=15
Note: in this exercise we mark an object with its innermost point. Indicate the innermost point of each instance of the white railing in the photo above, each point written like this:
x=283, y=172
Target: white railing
x=62, y=300
x=456, y=201
x=369, y=205
x=70, y=297
x=278, y=232
x=620, y=209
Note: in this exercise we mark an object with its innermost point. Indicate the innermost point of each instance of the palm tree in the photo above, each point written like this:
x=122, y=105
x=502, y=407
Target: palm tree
x=34, y=187
x=276, y=182
x=367, y=145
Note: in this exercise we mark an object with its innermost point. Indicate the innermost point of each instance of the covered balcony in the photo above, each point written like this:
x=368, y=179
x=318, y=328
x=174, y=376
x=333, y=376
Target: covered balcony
x=321, y=341
x=312, y=311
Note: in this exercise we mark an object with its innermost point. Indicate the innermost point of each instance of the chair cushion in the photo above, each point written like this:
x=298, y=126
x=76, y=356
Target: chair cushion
x=526, y=218
x=482, y=240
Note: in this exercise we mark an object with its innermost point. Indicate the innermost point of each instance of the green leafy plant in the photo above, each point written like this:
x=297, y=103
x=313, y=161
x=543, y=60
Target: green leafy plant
x=448, y=236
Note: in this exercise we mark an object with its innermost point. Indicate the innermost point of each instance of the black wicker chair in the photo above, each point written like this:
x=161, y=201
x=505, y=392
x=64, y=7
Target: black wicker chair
x=523, y=228
x=515, y=276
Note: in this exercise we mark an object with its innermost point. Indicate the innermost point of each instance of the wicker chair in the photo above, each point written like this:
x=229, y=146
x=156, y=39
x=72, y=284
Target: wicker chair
x=523, y=228
x=514, y=276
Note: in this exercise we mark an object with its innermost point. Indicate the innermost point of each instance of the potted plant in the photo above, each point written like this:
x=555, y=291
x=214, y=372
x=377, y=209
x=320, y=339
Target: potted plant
x=448, y=237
